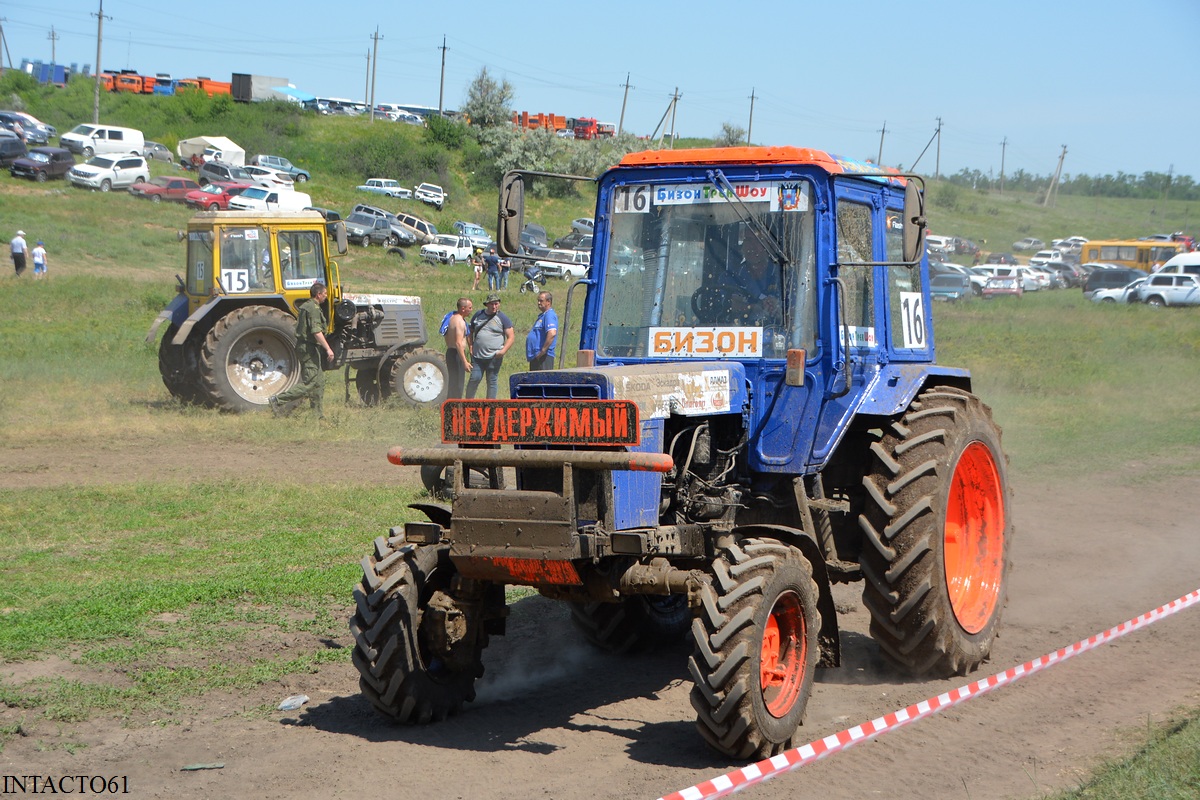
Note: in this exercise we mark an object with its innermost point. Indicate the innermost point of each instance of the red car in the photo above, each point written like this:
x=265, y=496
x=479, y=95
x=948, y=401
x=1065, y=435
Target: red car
x=158, y=189
x=215, y=196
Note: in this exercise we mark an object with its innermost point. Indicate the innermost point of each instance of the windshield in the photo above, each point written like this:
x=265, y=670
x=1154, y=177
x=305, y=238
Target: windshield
x=255, y=193
x=687, y=275
x=160, y=181
x=83, y=130
x=41, y=158
x=362, y=219
x=449, y=241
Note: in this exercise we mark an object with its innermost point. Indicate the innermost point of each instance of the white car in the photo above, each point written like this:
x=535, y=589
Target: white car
x=108, y=172
x=260, y=198
x=476, y=233
x=431, y=194
x=1042, y=257
x=270, y=178
x=1121, y=294
x=565, y=264
x=447, y=249
x=1170, y=290
x=385, y=186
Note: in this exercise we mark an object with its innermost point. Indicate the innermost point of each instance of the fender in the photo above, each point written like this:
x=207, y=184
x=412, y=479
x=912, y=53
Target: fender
x=175, y=312
x=895, y=385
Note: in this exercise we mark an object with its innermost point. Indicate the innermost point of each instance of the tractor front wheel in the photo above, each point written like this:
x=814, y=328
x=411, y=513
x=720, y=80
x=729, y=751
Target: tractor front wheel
x=634, y=623
x=417, y=649
x=420, y=378
x=756, y=649
x=248, y=356
x=937, y=532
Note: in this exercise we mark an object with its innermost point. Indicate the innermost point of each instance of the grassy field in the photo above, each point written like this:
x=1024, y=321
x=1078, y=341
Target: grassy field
x=159, y=580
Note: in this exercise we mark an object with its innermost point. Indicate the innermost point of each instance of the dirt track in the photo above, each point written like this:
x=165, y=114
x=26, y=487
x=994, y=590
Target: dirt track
x=555, y=719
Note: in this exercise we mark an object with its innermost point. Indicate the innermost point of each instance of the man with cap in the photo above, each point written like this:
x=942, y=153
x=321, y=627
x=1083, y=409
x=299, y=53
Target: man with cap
x=19, y=249
x=490, y=334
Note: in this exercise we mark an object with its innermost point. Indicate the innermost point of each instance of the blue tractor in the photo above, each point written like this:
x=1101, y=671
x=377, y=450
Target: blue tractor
x=756, y=414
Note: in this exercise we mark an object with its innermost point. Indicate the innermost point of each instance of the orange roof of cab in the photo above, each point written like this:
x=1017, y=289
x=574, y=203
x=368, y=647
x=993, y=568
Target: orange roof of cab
x=735, y=155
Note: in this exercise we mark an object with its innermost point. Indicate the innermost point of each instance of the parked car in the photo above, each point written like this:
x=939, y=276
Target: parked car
x=45, y=131
x=332, y=218
x=1170, y=290
x=1000, y=258
x=1046, y=277
x=975, y=279
x=447, y=249
x=950, y=287
x=367, y=229
x=156, y=151
x=164, y=188
x=215, y=196
x=12, y=147
x=583, y=224
x=574, y=241
x=220, y=172
x=385, y=186
x=1121, y=294
x=404, y=233
x=260, y=198
x=943, y=243
x=42, y=163
x=1028, y=282
x=10, y=121
x=476, y=233
x=565, y=264
x=1028, y=243
x=965, y=247
x=536, y=234
x=270, y=178
x=1109, y=277
x=283, y=165
x=431, y=194
x=109, y=172
x=1181, y=264
x=1045, y=256
x=1001, y=286
x=424, y=231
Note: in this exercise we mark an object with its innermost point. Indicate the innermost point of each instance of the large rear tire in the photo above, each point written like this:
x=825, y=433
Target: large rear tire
x=247, y=357
x=937, y=532
x=634, y=623
x=756, y=649
x=420, y=378
x=417, y=658
x=366, y=381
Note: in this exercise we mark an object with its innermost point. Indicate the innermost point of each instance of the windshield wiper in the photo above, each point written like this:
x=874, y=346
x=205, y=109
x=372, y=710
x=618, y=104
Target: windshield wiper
x=768, y=240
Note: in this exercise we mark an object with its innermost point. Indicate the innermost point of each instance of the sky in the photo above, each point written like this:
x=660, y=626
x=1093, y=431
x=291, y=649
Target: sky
x=940, y=85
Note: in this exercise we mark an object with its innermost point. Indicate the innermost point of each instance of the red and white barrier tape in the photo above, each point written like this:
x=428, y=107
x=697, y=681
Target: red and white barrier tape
x=815, y=751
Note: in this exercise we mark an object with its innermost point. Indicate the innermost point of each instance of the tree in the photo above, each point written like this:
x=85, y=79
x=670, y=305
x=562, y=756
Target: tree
x=488, y=103
x=731, y=135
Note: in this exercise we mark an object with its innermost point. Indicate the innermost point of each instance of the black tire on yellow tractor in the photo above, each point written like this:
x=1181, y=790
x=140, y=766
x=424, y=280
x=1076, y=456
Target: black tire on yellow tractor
x=247, y=357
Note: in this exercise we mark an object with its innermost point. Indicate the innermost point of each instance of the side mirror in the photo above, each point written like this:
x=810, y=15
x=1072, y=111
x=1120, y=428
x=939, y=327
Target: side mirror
x=914, y=222
x=511, y=216
x=340, y=236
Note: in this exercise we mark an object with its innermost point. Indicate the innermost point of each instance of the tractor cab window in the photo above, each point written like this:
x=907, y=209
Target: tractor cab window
x=200, y=263
x=905, y=291
x=242, y=253
x=692, y=273
x=301, y=258
x=855, y=242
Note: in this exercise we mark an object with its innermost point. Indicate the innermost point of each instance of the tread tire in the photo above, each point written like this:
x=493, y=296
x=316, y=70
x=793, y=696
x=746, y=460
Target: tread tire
x=397, y=672
x=257, y=344
x=636, y=623
x=419, y=378
x=904, y=555
x=749, y=579
x=173, y=366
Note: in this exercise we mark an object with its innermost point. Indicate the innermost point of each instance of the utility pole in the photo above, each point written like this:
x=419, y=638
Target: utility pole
x=750, y=124
x=4, y=43
x=442, y=85
x=1003, y=148
x=367, y=78
x=1167, y=190
x=882, y=131
x=624, y=100
x=937, y=164
x=99, y=39
x=674, y=104
x=374, y=65
x=53, y=37
x=1054, y=181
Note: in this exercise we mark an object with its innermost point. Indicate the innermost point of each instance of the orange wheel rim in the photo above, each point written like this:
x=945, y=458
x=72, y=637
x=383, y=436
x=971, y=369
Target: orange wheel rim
x=783, y=655
x=974, y=538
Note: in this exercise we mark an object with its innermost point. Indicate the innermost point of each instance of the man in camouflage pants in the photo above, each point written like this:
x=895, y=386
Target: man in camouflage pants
x=310, y=342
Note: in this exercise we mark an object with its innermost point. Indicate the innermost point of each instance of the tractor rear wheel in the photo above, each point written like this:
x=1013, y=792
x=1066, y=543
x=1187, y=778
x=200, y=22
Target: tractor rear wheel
x=249, y=356
x=756, y=649
x=937, y=533
x=417, y=653
x=636, y=622
x=419, y=378
x=366, y=381
x=179, y=372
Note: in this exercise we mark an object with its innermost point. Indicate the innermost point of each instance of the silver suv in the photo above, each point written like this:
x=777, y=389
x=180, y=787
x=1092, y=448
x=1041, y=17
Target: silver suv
x=1170, y=290
x=220, y=172
x=106, y=172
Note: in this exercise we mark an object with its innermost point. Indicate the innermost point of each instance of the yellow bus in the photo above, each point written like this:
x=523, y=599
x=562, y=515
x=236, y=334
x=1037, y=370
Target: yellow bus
x=1144, y=254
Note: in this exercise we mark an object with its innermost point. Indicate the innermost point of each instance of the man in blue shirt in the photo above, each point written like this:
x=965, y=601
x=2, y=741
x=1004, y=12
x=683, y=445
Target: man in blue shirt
x=491, y=262
x=539, y=344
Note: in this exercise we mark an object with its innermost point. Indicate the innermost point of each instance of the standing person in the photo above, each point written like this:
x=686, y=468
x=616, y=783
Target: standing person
x=490, y=334
x=540, y=342
x=492, y=262
x=39, y=259
x=505, y=268
x=310, y=342
x=477, y=263
x=457, y=363
x=19, y=248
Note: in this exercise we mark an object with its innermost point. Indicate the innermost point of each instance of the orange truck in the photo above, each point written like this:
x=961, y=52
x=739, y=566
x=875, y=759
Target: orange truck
x=551, y=122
